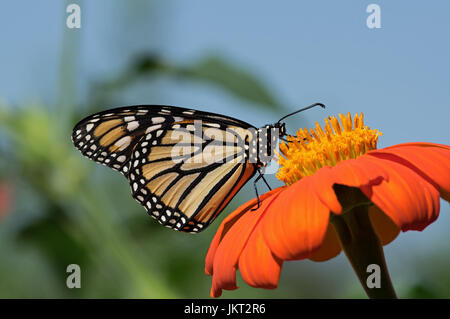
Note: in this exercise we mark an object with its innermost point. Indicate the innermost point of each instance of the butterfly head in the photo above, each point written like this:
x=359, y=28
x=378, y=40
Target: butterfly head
x=281, y=127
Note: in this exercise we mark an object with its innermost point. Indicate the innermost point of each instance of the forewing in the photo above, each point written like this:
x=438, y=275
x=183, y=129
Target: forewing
x=109, y=137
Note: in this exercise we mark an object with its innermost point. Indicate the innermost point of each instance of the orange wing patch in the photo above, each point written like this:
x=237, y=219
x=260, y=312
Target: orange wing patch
x=104, y=127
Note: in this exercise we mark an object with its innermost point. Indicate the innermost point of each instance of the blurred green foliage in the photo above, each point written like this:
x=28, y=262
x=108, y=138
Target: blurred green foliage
x=210, y=70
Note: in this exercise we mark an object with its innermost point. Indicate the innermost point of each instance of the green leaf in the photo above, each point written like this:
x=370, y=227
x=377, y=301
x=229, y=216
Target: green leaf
x=233, y=79
x=210, y=70
x=422, y=291
x=50, y=236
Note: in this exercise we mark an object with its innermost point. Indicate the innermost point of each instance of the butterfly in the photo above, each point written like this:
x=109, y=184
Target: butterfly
x=183, y=165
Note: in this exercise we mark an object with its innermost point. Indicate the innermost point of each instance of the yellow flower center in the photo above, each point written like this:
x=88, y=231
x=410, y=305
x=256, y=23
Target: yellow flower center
x=311, y=150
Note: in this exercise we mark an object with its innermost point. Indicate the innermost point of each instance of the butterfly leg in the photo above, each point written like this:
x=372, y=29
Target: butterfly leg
x=265, y=182
x=261, y=175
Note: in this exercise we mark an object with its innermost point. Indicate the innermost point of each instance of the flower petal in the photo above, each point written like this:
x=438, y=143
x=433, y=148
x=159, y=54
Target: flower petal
x=230, y=247
x=422, y=144
x=227, y=223
x=384, y=227
x=429, y=161
x=330, y=247
x=257, y=265
x=353, y=173
x=296, y=223
x=358, y=172
x=409, y=200
x=323, y=185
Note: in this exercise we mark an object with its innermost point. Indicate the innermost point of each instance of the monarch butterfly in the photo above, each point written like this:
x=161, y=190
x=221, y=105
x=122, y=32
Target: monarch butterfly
x=184, y=174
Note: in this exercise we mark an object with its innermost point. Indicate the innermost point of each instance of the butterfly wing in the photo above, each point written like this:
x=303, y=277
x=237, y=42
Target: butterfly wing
x=183, y=174
x=109, y=137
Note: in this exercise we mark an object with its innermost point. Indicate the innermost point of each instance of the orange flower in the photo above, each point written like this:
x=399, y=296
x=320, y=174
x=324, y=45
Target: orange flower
x=5, y=199
x=339, y=189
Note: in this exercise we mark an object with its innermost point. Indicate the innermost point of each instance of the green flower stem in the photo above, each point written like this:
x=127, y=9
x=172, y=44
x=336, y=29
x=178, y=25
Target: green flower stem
x=363, y=248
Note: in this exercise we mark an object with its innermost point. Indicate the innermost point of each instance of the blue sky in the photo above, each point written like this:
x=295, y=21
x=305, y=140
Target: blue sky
x=306, y=51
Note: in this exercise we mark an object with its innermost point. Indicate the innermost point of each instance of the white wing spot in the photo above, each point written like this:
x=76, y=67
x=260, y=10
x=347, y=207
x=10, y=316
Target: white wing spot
x=152, y=128
x=132, y=125
x=89, y=127
x=123, y=143
x=157, y=120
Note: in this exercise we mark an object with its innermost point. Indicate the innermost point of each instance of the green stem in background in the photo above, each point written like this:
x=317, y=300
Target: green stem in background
x=362, y=245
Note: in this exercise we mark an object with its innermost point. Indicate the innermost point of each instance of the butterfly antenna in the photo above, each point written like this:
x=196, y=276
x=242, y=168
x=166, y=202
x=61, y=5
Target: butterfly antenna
x=301, y=110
